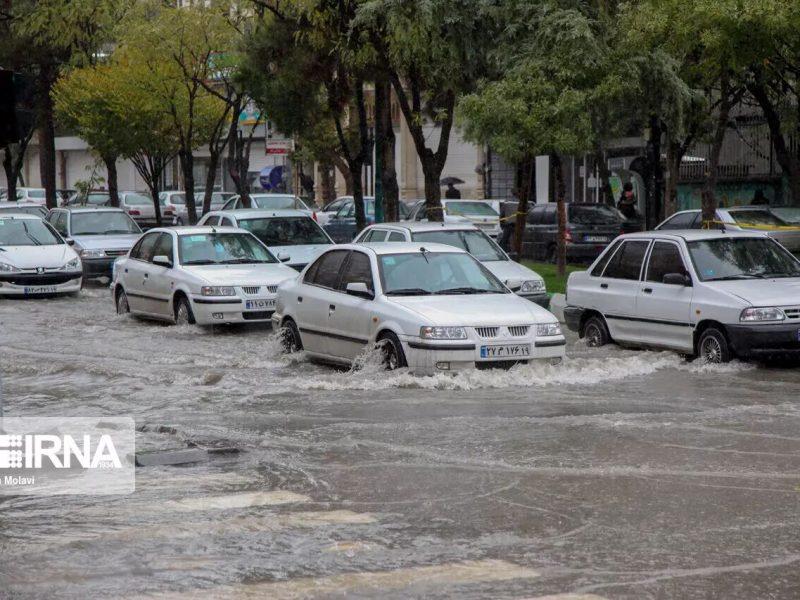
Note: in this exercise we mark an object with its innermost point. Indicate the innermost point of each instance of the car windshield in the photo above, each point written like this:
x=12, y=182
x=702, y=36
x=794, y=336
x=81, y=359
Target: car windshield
x=286, y=231
x=173, y=199
x=443, y=273
x=787, y=213
x=222, y=249
x=137, y=200
x=598, y=214
x=476, y=243
x=26, y=232
x=103, y=223
x=278, y=202
x=742, y=258
x=475, y=209
x=755, y=217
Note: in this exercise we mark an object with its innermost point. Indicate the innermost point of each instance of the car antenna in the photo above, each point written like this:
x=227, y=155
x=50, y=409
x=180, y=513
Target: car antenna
x=424, y=253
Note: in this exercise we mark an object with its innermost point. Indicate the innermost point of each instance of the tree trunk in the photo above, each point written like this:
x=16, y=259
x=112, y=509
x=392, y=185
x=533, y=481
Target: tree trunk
x=433, y=189
x=211, y=180
x=358, y=196
x=655, y=174
x=709, y=194
x=603, y=173
x=113, y=186
x=561, y=247
x=11, y=175
x=327, y=184
x=341, y=166
x=186, y=158
x=238, y=158
x=674, y=158
x=385, y=138
x=525, y=191
x=47, y=138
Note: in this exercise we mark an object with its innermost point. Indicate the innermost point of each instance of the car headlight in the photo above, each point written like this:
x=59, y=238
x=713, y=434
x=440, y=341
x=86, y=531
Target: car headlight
x=548, y=329
x=93, y=253
x=762, y=314
x=75, y=263
x=532, y=286
x=7, y=268
x=443, y=333
x=216, y=290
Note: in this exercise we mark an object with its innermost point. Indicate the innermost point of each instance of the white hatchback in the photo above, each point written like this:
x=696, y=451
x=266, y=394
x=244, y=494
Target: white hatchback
x=203, y=275
x=34, y=259
x=430, y=307
x=717, y=295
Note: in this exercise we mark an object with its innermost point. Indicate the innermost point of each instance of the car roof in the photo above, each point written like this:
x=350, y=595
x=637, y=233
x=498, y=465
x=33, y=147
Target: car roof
x=242, y=213
x=420, y=226
x=82, y=209
x=381, y=248
x=21, y=203
x=198, y=229
x=692, y=235
x=26, y=216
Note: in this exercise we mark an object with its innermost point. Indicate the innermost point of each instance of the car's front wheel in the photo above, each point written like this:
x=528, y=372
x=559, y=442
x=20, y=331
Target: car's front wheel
x=595, y=332
x=290, y=337
x=392, y=355
x=712, y=347
x=123, y=308
x=183, y=312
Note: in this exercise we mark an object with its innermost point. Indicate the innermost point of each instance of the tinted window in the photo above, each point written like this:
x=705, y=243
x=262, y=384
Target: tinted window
x=358, y=271
x=665, y=258
x=376, y=235
x=627, y=262
x=164, y=246
x=396, y=236
x=327, y=269
x=535, y=215
x=549, y=217
x=681, y=221
x=143, y=250
x=594, y=214
x=286, y=231
x=225, y=222
x=212, y=221
x=598, y=269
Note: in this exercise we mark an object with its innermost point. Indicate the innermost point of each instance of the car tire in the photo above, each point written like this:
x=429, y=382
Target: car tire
x=183, y=312
x=713, y=347
x=290, y=337
x=392, y=353
x=123, y=308
x=595, y=332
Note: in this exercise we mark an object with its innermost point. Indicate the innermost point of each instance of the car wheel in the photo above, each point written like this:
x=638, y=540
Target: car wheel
x=393, y=356
x=290, y=337
x=712, y=347
x=123, y=308
x=183, y=312
x=595, y=332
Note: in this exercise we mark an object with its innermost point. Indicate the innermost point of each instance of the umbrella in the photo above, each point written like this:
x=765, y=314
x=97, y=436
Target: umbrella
x=452, y=181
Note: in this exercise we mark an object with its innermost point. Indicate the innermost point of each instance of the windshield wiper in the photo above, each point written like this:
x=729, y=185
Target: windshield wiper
x=241, y=261
x=466, y=290
x=199, y=262
x=116, y=231
x=409, y=292
x=735, y=277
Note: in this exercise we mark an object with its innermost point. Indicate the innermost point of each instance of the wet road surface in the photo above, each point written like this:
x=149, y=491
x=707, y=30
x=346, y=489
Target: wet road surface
x=618, y=474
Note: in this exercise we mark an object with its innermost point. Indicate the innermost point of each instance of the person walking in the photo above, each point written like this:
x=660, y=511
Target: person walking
x=451, y=193
x=627, y=201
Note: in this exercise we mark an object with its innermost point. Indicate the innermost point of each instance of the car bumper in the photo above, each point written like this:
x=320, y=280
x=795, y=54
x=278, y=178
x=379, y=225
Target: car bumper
x=226, y=311
x=98, y=267
x=542, y=300
x=36, y=284
x=429, y=357
x=753, y=341
x=572, y=317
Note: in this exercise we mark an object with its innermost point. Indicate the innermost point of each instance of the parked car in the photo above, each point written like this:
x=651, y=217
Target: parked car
x=478, y=212
x=788, y=214
x=140, y=208
x=432, y=308
x=33, y=195
x=94, y=198
x=713, y=294
x=100, y=235
x=518, y=278
x=27, y=208
x=173, y=204
x=200, y=275
x=329, y=210
x=590, y=228
x=291, y=235
x=34, y=259
x=342, y=226
x=270, y=202
x=740, y=218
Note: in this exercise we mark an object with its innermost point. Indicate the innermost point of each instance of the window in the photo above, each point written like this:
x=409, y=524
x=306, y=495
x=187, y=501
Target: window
x=212, y=221
x=376, y=235
x=549, y=216
x=105, y=222
x=286, y=231
x=358, y=270
x=686, y=220
x=593, y=214
x=627, y=262
x=27, y=232
x=665, y=258
x=325, y=272
x=450, y=273
x=137, y=200
x=226, y=222
x=164, y=246
x=598, y=269
x=473, y=209
x=756, y=217
x=476, y=243
x=535, y=215
x=61, y=223
x=396, y=236
x=143, y=250
x=741, y=258
x=222, y=248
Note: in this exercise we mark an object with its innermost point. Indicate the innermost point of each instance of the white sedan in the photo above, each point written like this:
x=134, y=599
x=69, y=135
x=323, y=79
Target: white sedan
x=430, y=307
x=35, y=260
x=203, y=275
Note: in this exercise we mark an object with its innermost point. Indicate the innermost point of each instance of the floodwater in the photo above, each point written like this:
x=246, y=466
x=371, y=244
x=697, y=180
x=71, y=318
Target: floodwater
x=617, y=474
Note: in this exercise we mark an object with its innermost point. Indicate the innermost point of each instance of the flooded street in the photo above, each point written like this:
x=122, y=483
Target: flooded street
x=618, y=474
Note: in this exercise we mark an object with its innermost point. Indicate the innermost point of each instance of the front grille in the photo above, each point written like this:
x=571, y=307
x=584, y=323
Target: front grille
x=115, y=252
x=487, y=332
x=54, y=279
x=498, y=364
x=251, y=290
x=257, y=315
x=519, y=330
x=272, y=289
x=792, y=313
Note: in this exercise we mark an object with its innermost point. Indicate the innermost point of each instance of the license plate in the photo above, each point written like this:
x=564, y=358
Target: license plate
x=596, y=238
x=42, y=289
x=516, y=351
x=259, y=304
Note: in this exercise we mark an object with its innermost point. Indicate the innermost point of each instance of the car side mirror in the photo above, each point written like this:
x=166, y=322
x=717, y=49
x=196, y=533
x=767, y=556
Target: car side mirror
x=162, y=261
x=284, y=256
x=677, y=279
x=360, y=289
x=69, y=241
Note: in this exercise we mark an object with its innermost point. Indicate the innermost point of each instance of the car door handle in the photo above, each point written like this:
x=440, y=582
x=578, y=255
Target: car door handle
x=146, y=275
x=647, y=290
x=299, y=298
x=126, y=270
x=331, y=307
x=604, y=286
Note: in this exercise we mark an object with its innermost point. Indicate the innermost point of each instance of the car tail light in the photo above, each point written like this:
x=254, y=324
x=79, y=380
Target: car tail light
x=168, y=212
x=568, y=235
x=314, y=216
x=134, y=213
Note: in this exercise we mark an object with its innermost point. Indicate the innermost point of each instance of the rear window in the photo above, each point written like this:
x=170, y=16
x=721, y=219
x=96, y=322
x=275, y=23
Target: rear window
x=598, y=214
x=137, y=200
x=755, y=217
x=480, y=209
